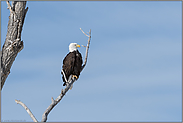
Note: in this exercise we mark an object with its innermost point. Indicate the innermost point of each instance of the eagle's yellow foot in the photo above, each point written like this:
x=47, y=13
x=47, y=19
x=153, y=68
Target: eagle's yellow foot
x=74, y=76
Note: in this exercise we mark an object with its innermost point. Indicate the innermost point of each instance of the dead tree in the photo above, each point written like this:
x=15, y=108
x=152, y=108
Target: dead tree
x=13, y=44
x=63, y=91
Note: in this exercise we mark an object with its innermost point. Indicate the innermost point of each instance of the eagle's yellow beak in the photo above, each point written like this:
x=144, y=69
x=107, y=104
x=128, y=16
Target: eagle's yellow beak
x=78, y=45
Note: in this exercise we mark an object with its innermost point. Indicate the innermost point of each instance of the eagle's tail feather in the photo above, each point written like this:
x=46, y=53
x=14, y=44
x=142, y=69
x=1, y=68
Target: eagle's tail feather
x=64, y=77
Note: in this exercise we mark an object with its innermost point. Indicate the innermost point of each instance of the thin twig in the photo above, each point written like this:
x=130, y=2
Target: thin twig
x=27, y=109
x=9, y=6
x=84, y=32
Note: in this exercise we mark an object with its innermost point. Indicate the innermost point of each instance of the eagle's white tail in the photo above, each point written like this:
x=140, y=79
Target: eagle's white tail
x=64, y=75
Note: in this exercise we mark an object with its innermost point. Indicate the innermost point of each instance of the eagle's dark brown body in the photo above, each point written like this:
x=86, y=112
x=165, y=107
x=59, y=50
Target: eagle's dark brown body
x=72, y=65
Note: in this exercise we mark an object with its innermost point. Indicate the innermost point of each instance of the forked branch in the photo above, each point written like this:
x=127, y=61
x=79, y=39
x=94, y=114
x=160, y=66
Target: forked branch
x=63, y=91
x=69, y=84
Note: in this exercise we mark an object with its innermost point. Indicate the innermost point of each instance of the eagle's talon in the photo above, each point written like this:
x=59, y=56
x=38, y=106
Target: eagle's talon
x=74, y=76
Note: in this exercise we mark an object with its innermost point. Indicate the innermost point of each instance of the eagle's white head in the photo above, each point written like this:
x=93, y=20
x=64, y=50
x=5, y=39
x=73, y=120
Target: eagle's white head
x=73, y=47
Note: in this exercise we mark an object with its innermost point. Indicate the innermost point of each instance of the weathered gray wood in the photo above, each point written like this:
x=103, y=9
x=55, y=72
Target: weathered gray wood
x=57, y=100
x=27, y=109
x=13, y=44
x=87, y=47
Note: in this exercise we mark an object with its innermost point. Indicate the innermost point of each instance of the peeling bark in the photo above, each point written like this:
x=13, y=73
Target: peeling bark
x=13, y=44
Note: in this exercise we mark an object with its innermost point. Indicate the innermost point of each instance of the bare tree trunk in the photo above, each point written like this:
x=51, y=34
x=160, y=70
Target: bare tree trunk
x=13, y=44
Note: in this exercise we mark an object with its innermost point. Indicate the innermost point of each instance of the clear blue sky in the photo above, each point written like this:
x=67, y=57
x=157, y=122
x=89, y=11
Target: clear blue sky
x=134, y=65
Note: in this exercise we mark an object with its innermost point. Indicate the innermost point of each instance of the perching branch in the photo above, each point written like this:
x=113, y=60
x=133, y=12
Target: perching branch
x=13, y=44
x=63, y=92
x=27, y=109
x=69, y=84
x=56, y=101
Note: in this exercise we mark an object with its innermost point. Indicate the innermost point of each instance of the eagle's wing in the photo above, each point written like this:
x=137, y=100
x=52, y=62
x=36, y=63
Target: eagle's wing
x=68, y=65
x=78, y=64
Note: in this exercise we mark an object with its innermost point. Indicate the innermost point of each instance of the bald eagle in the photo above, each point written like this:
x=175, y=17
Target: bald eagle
x=72, y=63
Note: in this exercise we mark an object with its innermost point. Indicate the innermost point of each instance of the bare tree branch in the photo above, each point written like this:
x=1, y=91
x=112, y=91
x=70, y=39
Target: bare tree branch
x=13, y=44
x=63, y=92
x=87, y=48
x=69, y=84
x=27, y=109
x=56, y=101
x=84, y=33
